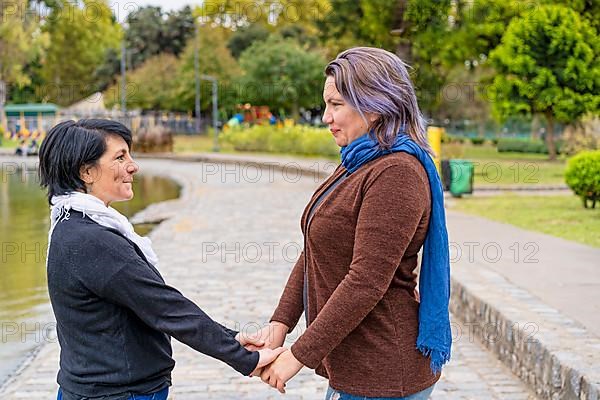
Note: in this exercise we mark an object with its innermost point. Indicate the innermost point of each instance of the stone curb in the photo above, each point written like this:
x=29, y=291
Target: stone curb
x=552, y=354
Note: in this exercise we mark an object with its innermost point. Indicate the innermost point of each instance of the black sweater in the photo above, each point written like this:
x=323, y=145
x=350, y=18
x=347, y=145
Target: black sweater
x=115, y=315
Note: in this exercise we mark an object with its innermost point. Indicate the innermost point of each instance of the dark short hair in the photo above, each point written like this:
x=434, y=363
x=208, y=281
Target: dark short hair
x=71, y=145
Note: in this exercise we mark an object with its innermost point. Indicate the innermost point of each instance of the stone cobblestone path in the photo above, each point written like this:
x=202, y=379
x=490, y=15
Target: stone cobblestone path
x=228, y=244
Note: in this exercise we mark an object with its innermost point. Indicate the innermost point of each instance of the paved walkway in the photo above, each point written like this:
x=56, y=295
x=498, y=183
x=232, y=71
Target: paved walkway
x=229, y=243
x=561, y=273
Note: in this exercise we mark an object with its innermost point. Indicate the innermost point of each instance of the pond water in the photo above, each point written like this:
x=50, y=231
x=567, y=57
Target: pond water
x=25, y=313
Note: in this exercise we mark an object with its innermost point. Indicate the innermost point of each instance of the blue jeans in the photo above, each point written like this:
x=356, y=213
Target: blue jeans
x=160, y=395
x=333, y=394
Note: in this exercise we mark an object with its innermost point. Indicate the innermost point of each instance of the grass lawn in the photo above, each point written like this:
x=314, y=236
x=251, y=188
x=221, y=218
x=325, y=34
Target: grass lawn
x=562, y=216
x=496, y=169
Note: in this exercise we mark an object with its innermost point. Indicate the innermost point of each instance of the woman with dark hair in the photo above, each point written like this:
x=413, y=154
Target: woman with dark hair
x=114, y=312
x=367, y=330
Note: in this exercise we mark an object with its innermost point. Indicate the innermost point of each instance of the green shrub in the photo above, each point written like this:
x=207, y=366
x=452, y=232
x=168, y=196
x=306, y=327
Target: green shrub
x=522, y=146
x=477, y=141
x=292, y=140
x=583, y=176
x=526, y=146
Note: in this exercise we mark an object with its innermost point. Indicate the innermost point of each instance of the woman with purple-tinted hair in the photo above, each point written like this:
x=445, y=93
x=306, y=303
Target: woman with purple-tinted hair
x=368, y=331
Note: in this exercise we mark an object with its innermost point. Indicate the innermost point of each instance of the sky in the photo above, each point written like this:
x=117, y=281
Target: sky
x=123, y=7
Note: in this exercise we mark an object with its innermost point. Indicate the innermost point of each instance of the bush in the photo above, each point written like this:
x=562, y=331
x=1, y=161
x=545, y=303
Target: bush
x=583, y=176
x=582, y=135
x=477, y=141
x=154, y=139
x=292, y=140
x=527, y=146
x=522, y=146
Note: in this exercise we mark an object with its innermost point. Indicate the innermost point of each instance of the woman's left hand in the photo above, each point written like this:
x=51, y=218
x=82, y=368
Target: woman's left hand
x=284, y=368
x=250, y=342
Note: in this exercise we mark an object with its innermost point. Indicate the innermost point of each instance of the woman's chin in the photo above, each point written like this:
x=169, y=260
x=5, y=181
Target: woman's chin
x=340, y=141
x=124, y=197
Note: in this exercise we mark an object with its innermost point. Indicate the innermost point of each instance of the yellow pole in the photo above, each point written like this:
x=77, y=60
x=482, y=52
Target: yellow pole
x=4, y=122
x=434, y=136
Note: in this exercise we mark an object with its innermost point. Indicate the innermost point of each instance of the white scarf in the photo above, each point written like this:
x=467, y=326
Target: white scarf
x=95, y=209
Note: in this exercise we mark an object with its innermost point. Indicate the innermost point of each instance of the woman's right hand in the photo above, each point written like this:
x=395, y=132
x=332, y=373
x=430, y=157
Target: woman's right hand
x=273, y=336
x=266, y=357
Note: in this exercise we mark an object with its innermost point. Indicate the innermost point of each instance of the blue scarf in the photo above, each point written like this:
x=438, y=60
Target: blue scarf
x=435, y=338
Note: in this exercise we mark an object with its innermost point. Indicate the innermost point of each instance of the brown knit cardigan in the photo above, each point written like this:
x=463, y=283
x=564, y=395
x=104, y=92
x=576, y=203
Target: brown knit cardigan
x=360, y=256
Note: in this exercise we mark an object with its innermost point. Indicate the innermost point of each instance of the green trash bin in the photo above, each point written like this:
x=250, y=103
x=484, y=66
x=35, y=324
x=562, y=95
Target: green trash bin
x=461, y=172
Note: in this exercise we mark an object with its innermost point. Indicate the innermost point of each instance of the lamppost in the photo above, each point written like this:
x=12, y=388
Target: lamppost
x=123, y=82
x=124, y=70
x=2, y=101
x=215, y=109
x=197, y=75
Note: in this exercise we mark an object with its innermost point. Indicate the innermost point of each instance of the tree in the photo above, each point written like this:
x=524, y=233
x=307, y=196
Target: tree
x=358, y=23
x=144, y=34
x=215, y=60
x=243, y=37
x=548, y=64
x=16, y=45
x=150, y=31
x=235, y=14
x=20, y=43
x=424, y=30
x=150, y=86
x=81, y=34
x=281, y=74
x=178, y=29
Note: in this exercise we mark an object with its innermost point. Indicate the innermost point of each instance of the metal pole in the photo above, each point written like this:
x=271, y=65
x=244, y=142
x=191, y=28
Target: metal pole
x=215, y=98
x=123, y=82
x=3, y=123
x=197, y=73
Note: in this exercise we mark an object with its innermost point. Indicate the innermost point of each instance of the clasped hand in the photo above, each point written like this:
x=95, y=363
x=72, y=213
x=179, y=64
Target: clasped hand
x=276, y=365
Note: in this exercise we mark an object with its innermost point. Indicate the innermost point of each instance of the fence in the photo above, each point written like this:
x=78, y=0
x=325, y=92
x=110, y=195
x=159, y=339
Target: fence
x=28, y=126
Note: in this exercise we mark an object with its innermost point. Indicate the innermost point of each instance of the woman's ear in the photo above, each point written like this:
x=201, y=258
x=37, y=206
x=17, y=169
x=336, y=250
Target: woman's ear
x=372, y=118
x=85, y=173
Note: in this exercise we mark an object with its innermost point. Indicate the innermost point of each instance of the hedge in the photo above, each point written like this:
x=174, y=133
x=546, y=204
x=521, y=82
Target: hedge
x=297, y=139
x=525, y=146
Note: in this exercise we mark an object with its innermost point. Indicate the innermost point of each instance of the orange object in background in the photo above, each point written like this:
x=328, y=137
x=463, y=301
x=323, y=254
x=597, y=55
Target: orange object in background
x=255, y=114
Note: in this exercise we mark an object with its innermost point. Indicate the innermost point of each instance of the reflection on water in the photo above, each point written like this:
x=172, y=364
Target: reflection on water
x=25, y=313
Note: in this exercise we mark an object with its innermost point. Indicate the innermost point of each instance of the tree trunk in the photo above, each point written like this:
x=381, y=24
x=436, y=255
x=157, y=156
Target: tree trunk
x=481, y=128
x=535, y=126
x=295, y=111
x=400, y=28
x=550, y=136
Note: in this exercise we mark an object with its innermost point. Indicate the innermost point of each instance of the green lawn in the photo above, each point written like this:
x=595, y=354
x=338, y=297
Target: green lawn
x=562, y=216
x=496, y=169
x=492, y=172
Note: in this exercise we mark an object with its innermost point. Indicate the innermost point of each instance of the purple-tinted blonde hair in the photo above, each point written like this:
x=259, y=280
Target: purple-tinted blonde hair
x=376, y=81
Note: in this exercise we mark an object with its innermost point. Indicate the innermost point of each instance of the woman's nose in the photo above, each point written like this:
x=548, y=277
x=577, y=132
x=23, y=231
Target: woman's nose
x=132, y=167
x=327, y=118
